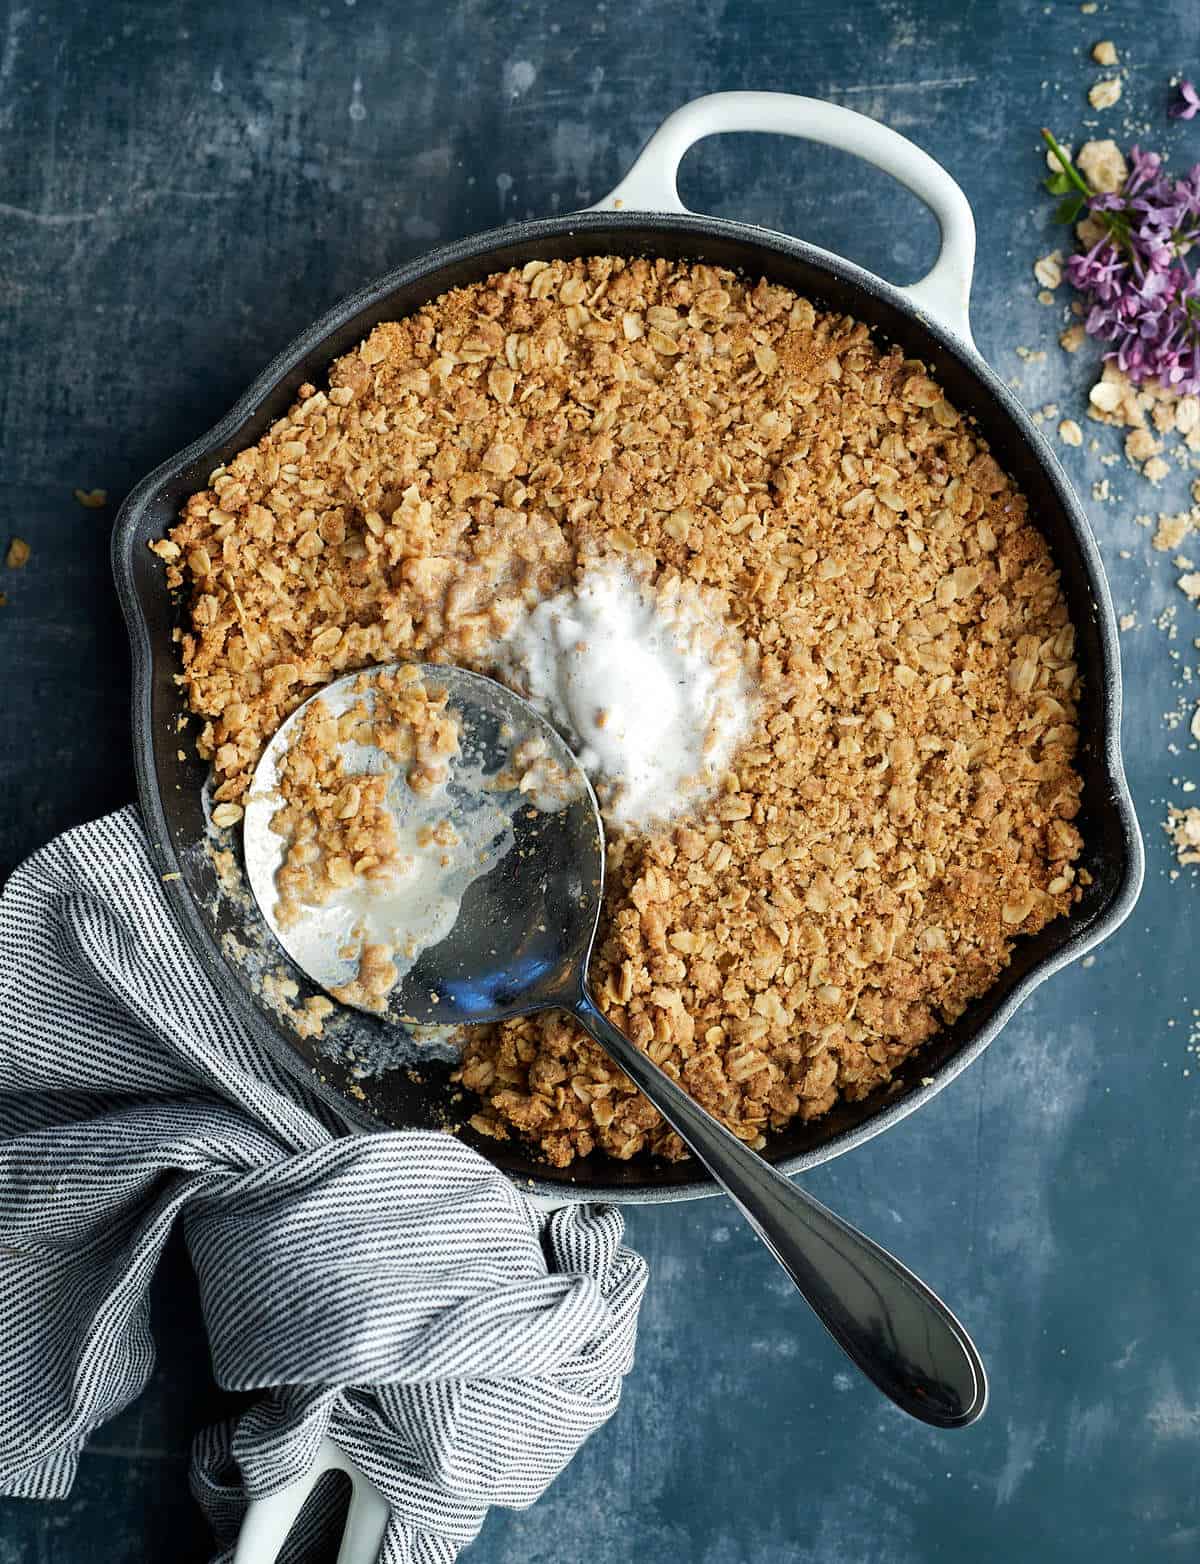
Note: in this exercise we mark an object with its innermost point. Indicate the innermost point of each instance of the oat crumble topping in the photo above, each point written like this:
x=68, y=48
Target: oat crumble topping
x=902, y=807
x=337, y=827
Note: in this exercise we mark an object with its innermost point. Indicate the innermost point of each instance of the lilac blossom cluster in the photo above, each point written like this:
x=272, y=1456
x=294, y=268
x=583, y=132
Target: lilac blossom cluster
x=1140, y=295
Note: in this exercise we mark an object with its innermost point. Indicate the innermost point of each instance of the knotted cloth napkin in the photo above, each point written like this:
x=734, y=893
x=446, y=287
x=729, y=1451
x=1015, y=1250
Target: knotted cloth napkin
x=392, y=1290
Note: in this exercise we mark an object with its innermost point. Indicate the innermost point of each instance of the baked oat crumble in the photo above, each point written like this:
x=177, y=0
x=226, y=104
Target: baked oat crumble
x=903, y=805
x=1183, y=827
x=336, y=825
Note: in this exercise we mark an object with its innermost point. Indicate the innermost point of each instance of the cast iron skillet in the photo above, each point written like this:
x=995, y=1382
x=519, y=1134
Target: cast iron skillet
x=643, y=217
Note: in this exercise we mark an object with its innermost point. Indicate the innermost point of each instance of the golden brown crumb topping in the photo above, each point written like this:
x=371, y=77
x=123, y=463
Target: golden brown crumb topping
x=902, y=809
x=336, y=825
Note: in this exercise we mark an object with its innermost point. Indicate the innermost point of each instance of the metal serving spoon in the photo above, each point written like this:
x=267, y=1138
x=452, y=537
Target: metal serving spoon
x=520, y=936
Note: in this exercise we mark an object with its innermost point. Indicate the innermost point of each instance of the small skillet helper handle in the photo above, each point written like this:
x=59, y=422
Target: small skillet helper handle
x=900, y=1334
x=269, y=1521
x=943, y=294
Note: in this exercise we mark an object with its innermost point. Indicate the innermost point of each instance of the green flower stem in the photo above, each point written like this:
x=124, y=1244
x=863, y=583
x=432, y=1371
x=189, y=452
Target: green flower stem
x=1064, y=162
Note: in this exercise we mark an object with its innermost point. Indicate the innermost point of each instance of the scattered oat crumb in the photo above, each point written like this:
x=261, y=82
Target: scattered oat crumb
x=1089, y=8
x=1128, y=621
x=1104, y=53
x=1070, y=433
x=1156, y=469
x=1140, y=445
x=1101, y=490
x=1105, y=93
x=1048, y=270
x=1088, y=961
x=1072, y=339
x=18, y=554
x=1171, y=531
x=1189, y=585
x=1046, y=297
x=1050, y=410
x=1105, y=396
x=1103, y=165
x=91, y=499
x=1183, y=827
x=1032, y=355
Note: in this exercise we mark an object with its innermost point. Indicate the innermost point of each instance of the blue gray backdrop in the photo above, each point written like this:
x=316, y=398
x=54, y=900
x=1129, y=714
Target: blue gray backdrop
x=182, y=188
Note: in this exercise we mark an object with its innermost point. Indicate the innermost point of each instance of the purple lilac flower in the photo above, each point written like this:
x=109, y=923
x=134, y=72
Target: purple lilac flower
x=1141, y=296
x=1143, y=169
x=1187, y=105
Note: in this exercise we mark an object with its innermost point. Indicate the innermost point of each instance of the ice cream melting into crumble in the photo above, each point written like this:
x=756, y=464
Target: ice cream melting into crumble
x=647, y=683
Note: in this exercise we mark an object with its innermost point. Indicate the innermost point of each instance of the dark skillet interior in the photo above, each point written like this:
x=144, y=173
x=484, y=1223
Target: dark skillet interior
x=170, y=787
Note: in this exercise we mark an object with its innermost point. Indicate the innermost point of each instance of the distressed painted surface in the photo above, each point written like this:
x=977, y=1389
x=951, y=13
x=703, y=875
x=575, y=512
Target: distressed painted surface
x=183, y=188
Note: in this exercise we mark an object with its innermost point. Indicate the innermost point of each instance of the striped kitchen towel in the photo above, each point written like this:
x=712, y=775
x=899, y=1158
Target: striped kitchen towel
x=390, y=1291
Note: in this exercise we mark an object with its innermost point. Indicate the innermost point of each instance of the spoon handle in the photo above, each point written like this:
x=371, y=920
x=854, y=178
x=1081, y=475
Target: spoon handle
x=898, y=1332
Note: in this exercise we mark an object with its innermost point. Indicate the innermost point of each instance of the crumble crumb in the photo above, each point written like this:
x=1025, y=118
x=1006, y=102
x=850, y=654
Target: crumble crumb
x=1171, y=531
x=1140, y=445
x=1070, y=433
x=1072, y=339
x=1105, y=93
x=1183, y=827
x=91, y=499
x=1048, y=270
x=18, y=554
x=1103, y=165
x=1105, y=397
x=1104, y=52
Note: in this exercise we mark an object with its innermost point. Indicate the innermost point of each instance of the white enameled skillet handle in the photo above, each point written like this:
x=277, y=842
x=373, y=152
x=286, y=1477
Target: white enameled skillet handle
x=943, y=294
x=268, y=1521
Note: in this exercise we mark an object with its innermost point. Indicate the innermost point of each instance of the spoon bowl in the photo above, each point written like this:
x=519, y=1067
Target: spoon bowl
x=511, y=932
x=525, y=924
